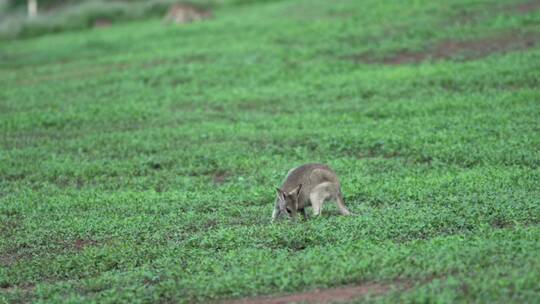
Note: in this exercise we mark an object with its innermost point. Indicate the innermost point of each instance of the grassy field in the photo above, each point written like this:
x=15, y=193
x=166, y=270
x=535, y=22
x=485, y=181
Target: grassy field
x=138, y=163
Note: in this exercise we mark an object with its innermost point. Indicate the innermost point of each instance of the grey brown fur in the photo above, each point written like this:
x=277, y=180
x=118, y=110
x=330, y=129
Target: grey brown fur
x=184, y=13
x=313, y=183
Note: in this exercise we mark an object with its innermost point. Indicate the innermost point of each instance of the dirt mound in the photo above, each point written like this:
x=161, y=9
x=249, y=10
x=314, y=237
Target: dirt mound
x=459, y=50
x=329, y=295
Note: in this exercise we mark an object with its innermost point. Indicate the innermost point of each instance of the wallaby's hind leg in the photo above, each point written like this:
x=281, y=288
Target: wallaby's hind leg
x=317, y=200
x=341, y=204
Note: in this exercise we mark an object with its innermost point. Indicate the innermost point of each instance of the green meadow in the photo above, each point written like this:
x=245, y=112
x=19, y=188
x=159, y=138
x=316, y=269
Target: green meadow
x=138, y=162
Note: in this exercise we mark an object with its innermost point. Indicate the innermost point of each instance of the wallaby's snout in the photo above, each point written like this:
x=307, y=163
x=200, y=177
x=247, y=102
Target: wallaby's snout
x=315, y=183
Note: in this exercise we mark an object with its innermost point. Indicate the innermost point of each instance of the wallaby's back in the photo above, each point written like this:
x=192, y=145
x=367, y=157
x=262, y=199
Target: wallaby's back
x=309, y=175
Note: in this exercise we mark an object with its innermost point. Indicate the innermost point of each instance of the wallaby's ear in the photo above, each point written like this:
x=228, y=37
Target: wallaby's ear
x=282, y=202
x=280, y=193
x=296, y=190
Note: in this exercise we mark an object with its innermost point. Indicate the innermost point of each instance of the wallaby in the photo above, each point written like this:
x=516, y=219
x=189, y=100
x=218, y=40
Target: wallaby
x=184, y=13
x=316, y=183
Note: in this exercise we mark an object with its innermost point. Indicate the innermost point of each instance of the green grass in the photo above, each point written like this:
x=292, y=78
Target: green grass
x=138, y=163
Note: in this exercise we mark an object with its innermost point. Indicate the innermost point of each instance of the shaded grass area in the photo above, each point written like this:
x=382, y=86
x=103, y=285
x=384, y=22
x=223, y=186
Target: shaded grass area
x=138, y=162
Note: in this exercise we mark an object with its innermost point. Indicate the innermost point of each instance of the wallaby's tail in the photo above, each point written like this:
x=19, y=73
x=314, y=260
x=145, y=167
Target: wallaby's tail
x=341, y=205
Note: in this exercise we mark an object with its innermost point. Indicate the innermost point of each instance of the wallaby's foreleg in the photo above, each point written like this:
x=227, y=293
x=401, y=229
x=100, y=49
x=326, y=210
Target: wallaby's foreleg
x=276, y=212
x=341, y=204
x=304, y=213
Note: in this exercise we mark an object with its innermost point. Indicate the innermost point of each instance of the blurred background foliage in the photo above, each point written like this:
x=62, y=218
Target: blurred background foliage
x=57, y=16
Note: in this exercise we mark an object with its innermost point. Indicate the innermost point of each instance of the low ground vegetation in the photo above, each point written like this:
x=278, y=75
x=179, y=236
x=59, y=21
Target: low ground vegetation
x=138, y=162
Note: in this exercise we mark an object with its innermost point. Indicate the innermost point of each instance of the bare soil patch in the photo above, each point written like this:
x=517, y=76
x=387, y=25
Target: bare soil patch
x=22, y=288
x=460, y=50
x=527, y=7
x=99, y=23
x=80, y=244
x=19, y=294
x=220, y=177
x=22, y=253
x=7, y=259
x=331, y=295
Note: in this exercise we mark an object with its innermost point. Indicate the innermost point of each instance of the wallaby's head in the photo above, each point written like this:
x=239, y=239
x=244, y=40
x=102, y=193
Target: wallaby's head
x=288, y=201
